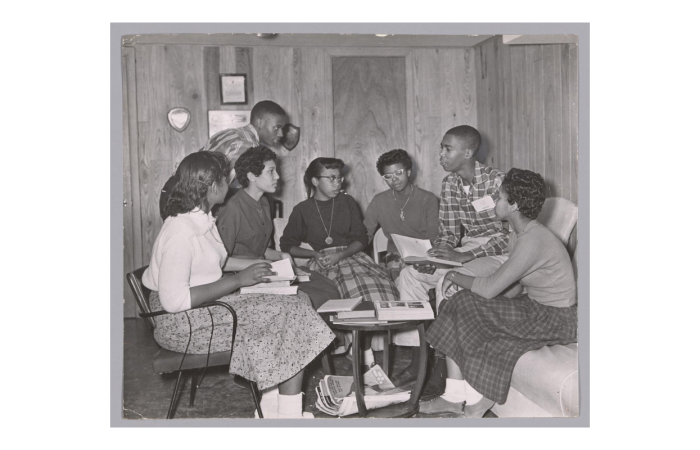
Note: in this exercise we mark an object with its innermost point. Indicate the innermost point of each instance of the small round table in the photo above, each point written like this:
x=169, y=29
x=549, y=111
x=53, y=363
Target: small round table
x=405, y=409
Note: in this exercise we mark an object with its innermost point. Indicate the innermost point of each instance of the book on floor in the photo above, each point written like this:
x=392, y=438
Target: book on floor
x=335, y=395
x=364, y=309
x=406, y=310
x=344, y=304
x=415, y=251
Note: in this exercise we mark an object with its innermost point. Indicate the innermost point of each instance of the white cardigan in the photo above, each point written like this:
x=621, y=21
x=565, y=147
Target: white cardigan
x=188, y=252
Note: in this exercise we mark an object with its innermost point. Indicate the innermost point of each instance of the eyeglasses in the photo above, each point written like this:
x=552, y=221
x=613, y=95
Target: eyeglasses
x=397, y=173
x=333, y=179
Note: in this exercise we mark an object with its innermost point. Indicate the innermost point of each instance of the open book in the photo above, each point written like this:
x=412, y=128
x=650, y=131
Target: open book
x=415, y=251
x=404, y=310
x=284, y=270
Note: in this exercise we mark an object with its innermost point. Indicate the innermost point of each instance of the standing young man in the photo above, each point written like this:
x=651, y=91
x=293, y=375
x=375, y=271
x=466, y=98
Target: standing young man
x=267, y=120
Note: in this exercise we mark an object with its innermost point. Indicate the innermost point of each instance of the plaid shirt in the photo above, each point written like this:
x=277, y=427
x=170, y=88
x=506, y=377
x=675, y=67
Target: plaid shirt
x=456, y=210
x=232, y=143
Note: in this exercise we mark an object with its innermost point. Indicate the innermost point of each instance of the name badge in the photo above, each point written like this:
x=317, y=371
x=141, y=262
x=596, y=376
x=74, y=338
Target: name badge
x=483, y=204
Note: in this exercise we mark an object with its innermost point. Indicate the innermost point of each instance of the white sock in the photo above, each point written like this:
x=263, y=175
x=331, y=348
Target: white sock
x=455, y=390
x=368, y=357
x=289, y=406
x=269, y=397
x=473, y=395
x=269, y=402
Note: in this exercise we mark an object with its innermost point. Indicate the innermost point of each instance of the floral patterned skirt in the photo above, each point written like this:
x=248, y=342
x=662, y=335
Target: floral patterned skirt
x=276, y=335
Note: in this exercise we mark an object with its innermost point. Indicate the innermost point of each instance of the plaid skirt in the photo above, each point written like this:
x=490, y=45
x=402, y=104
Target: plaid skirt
x=487, y=337
x=276, y=337
x=359, y=276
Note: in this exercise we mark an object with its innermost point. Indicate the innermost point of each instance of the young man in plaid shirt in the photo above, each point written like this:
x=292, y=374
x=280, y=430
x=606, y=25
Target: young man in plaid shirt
x=467, y=199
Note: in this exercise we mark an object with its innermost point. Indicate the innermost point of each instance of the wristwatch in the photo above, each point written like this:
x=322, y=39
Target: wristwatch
x=451, y=276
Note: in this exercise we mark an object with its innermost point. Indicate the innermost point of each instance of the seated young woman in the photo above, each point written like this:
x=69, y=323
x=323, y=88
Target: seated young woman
x=486, y=327
x=403, y=209
x=331, y=224
x=245, y=223
x=407, y=210
x=277, y=336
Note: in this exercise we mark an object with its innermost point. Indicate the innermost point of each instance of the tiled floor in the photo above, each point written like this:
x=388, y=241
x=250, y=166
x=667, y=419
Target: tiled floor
x=147, y=394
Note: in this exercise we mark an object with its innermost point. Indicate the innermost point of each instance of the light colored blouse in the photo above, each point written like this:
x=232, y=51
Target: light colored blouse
x=188, y=252
x=540, y=262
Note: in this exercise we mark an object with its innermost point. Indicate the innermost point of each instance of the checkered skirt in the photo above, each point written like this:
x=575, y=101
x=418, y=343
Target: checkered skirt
x=487, y=337
x=359, y=276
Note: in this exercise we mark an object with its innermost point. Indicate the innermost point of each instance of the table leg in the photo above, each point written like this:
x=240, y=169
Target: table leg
x=326, y=362
x=422, y=366
x=357, y=372
x=387, y=349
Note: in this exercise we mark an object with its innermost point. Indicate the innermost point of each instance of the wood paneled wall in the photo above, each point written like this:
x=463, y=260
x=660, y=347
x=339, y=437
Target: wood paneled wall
x=527, y=103
x=440, y=94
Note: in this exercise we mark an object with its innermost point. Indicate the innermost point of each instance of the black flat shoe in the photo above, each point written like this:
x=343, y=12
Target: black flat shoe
x=478, y=409
x=404, y=377
x=440, y=406
x=435, y=385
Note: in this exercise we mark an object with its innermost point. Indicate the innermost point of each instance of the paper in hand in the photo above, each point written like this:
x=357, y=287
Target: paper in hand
x=284, y=270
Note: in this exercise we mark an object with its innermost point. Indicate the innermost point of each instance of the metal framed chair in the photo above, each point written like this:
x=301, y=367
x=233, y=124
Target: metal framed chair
x=166, y=361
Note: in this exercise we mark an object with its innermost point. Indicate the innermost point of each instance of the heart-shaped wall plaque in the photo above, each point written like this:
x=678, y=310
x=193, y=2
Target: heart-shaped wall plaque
x=179, y=118
x=291, y=136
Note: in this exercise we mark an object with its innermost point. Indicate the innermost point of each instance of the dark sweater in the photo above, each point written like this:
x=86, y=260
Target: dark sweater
x=305, y=224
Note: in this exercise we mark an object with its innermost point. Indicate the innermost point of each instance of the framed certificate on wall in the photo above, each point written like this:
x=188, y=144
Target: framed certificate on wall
x=233, y=89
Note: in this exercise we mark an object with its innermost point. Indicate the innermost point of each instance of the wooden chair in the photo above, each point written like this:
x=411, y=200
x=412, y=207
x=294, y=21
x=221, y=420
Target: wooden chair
x=279, y=225
x=166, y=361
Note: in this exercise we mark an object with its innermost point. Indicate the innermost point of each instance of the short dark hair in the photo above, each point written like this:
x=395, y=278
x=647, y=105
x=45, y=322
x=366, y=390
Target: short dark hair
x=316, y=167
x=252, y=161
x=469, y=135
x=195, y=174
x=527, y=189
x=265, y=107
x=392, y=157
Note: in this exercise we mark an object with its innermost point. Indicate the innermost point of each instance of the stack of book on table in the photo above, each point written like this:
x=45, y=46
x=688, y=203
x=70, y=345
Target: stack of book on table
x=351, y=311
x=280, y=284
x=405, y=310
x=335, y=395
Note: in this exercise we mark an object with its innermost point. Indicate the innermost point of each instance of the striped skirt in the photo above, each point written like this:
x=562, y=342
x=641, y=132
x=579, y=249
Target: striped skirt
x=359, y=276
x=487, y=337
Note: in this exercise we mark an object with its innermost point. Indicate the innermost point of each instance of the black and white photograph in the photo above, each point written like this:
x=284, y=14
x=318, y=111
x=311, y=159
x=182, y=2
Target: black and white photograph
x=236, y=148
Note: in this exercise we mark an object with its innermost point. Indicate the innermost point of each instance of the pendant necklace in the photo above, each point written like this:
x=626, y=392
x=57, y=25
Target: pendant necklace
x=329, y=239
x=403, y=218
